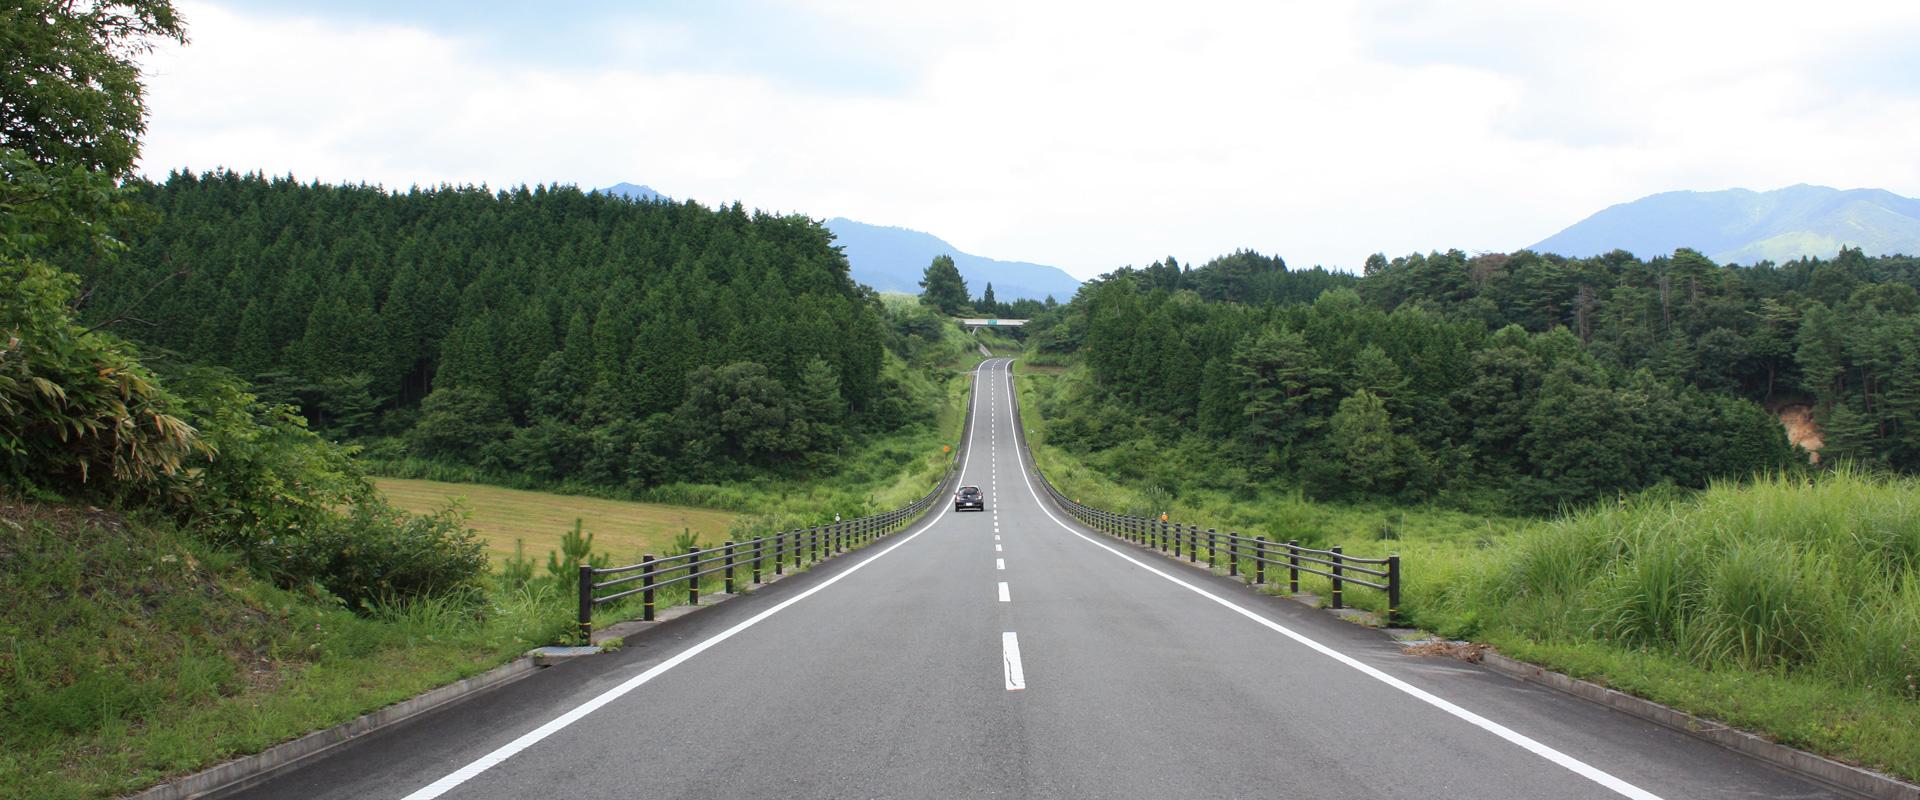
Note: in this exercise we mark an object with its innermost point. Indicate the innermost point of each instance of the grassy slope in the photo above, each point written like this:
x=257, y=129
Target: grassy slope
x=1826, y=574
x=165, y=658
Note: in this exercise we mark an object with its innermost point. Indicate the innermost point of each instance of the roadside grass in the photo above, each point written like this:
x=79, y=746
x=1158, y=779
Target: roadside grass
x=133, y=653
x=1786, y=607
x=505, y=516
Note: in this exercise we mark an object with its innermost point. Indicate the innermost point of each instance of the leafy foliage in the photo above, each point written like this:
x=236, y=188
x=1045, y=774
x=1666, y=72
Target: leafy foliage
x=70, y=88
x=74, y=404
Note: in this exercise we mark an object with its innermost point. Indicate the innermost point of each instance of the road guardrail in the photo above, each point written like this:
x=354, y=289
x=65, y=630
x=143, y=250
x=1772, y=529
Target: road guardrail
x=753, y=558
x=1246, y=557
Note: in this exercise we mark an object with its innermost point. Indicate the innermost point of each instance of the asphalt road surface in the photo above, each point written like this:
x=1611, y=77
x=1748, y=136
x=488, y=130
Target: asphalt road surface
x=1012, y=653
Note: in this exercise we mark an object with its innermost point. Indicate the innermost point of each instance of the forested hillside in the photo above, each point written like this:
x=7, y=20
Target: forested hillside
x=1522, y=381
x=543, y=330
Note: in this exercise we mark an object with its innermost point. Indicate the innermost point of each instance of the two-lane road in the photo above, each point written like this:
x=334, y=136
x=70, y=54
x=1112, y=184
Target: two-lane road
x=1012, y=653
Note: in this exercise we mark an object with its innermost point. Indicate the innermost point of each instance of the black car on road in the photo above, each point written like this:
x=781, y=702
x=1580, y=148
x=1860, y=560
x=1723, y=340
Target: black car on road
x=969, y=497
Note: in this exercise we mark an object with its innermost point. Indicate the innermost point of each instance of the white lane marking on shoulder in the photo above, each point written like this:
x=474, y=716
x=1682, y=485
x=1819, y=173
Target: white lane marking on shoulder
x=1010, y=654
x=1578, y=767
x=1004, y=597
x=510, y=749
x=999, y=563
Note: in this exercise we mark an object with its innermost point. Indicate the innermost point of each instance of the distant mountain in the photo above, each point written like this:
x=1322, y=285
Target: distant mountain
x=1742, y=226
x=633, y=192
x=893, y=259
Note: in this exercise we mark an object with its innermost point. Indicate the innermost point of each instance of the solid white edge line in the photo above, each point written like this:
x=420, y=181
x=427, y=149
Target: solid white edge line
x=1004, y=596
x=526, y=740
x=1010, y=654
x=1527, y=743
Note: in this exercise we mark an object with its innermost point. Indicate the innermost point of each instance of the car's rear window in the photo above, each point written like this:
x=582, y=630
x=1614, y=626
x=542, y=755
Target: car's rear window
x=969, y=491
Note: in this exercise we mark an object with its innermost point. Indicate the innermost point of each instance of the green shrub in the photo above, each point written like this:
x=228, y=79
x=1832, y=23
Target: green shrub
x=375, y=554
x=79, y=415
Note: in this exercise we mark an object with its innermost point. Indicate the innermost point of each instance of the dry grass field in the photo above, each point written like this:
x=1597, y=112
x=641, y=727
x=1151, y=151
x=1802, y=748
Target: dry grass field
x=622, y=529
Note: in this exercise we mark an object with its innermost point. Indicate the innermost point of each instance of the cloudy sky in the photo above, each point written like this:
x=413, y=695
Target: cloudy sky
x=1086, y=135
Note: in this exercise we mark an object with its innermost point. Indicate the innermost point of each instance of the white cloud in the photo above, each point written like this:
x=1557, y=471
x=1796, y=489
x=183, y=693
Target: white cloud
x=1091, y=137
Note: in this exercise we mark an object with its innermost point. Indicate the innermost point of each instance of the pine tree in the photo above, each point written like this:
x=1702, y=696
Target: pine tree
x=942, y=287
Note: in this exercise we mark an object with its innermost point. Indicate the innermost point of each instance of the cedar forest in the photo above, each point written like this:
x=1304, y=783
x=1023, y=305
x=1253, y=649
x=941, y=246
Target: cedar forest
x=622, y=343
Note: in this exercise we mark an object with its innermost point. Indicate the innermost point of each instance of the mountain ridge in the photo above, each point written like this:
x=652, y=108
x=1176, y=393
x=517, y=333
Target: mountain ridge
x=893, y=259
x=1747, y=226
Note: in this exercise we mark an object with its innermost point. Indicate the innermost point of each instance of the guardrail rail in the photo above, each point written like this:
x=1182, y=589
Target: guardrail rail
x=1246, y=557
x=775, y=552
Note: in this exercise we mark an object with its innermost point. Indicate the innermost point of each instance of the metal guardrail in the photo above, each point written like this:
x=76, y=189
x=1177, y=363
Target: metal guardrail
x=1247, y=557
x=774, y=552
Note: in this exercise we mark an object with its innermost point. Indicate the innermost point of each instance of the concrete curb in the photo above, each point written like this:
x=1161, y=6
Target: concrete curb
x=247, y=771
x=1846, y=776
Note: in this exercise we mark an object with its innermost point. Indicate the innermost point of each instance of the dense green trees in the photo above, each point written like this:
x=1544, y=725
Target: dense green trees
x=1523, y=380
x=538, y=329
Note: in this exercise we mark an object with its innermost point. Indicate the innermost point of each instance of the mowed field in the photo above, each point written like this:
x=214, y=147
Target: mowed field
x=623, y=529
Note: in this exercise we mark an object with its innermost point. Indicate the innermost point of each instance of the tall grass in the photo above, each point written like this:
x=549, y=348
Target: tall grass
x=1781, y=574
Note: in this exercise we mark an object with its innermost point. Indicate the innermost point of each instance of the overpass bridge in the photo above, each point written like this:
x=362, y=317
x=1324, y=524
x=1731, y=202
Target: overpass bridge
x=989, y=322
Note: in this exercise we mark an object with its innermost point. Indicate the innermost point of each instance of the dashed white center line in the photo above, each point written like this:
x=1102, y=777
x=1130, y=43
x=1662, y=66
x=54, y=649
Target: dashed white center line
x=996, y=537
x=1004, y=597
x=996, y=548
x=1010, y=655
x=999, y=563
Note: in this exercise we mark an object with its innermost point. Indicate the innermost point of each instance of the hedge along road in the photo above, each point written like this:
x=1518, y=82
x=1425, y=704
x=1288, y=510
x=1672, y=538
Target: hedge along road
x=1012, y=653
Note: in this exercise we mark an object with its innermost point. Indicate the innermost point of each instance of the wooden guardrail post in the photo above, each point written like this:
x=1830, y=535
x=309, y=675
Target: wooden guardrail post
x=1338, y=599
x=693, y=581
x=1259, y=560
x=1233, y=554
x=1212, y=547
x=759, y=545
x=779, y=553
x=1293, y=566
x=646, y=587
x=1393, y=588
x=726, y=559
x=586, y=603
